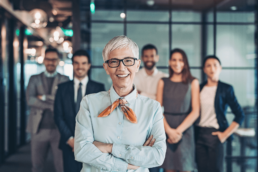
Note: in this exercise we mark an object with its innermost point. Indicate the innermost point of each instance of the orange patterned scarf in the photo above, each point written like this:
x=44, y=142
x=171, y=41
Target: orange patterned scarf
x=128, y=112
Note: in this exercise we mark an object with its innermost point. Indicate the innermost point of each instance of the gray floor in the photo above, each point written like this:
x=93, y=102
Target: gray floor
x=21, y=162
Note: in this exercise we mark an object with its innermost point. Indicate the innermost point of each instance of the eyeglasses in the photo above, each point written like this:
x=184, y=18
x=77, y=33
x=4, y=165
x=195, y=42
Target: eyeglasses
x=51, y=60
x=128, y=61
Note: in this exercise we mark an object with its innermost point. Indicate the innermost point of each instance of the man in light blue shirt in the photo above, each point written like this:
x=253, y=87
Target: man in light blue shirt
x=114, y=142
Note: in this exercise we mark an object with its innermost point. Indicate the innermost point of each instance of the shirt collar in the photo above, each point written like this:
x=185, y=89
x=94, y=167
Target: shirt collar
x=129, y=98
x=47, y=74
x=84, y=81
x=154, y=73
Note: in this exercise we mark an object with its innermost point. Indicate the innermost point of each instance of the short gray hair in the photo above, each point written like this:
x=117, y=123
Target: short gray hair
x=120, y=42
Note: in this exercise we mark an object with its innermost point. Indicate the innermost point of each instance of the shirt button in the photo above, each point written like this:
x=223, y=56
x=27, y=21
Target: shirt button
x=118, y=137
x=119, y=155
x=131, y=157
x=119, y=123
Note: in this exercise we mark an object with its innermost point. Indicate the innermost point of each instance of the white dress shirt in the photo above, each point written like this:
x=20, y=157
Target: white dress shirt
x=76, y=82
x=208, y=114
x=147, y=84
x=84, y=82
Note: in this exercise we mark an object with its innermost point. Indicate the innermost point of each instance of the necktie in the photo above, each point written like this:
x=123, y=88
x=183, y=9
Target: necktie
x=128, y=112
x=79, y=97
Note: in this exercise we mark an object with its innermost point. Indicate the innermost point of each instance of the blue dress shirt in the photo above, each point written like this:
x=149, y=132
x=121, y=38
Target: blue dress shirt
x=127, y=138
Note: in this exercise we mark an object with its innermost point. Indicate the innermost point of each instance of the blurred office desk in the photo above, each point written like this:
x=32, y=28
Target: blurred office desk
x=245, y=136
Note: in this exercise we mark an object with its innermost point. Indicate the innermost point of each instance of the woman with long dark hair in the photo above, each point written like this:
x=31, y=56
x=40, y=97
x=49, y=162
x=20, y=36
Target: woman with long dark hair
x=179, y=94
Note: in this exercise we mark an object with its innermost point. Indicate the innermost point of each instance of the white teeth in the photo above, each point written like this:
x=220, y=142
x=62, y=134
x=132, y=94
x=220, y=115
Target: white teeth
x=122, y=76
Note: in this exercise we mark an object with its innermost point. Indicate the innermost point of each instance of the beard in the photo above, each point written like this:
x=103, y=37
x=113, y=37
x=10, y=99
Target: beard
x=149, y=67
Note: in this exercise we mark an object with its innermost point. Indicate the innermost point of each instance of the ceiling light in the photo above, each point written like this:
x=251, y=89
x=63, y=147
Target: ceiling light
x=54, y=11
x=40, y=59
x=122, y=15
x=39, y=18
x=61, y=63
x=51, y=19
x=56, y=35
x=233, y=8
x=30, y=51
x=67, y=46
x=150, y=2
x=92, y=7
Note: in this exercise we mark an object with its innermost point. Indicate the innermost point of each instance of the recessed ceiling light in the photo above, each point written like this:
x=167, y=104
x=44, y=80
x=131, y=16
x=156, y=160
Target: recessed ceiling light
x=234, y=8
x=122, y=15
x=150, y=2
x=51, y=19
x=54, y=11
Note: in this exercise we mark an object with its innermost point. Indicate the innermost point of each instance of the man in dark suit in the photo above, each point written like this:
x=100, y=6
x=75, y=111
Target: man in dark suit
x=40, y=96
x=67, y=104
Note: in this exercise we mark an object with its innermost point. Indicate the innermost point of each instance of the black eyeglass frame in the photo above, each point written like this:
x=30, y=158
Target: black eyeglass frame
x=122, y=61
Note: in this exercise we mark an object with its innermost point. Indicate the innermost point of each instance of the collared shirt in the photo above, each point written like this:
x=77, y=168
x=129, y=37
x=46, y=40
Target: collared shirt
x=84, y=82
x=127, y=138
x=47, y=74
x=147, y=84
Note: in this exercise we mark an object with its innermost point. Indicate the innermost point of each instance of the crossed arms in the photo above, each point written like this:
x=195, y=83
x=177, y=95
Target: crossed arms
x=117, y=157
x=35, y=100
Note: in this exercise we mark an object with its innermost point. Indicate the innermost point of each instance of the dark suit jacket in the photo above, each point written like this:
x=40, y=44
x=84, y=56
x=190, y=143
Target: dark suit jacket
x=64, y=108
x=225, y=97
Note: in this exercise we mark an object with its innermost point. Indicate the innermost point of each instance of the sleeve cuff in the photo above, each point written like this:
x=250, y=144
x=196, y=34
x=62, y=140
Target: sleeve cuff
x=120, y=165
x=122, y=151
x=43, y=98
x=117, y=150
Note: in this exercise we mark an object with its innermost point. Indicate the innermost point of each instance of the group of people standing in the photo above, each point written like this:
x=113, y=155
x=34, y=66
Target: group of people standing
x=194, y=115
x=125, y=128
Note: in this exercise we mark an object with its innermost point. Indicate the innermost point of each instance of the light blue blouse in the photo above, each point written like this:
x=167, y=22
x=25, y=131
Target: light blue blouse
x=127, y=138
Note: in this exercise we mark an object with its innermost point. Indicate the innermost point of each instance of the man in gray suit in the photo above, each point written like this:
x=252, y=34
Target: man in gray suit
x=40, y=96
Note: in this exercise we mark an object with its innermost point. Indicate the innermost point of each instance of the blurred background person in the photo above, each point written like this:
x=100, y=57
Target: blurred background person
x=213, y=129
x=146, y=80
x=67, y=104
x=179, y=94
x=40, y=96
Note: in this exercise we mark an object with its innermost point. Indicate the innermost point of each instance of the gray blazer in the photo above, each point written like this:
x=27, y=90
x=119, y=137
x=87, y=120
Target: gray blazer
x=36, y=86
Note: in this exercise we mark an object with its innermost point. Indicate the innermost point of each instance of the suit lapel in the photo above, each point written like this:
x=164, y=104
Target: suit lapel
x=216, y=101
x=71, y=95
x=44, y=82
x=55, y=83
x=89, y=87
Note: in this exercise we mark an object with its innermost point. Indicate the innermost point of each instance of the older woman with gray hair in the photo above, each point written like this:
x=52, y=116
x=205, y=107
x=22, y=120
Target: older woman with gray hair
x=119, y=130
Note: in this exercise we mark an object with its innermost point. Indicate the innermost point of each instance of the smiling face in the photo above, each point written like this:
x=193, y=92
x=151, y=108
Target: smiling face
x=51, y=61
x=122, y=76
x=176, y=63
x=212, y=68
x=150, y=58
x=81, y=66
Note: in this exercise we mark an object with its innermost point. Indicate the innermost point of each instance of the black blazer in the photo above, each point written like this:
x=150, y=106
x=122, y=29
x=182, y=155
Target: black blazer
x=64, y=107
x=225, y=97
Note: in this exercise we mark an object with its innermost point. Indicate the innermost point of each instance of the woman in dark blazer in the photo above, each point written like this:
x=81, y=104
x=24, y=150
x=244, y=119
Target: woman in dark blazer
x=213, y=129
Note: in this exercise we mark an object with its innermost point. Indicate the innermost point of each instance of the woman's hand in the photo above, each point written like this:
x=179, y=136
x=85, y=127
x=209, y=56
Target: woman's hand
x=103, y=147
x=222, y=137
x=150, y=142
x=132, y=167
x=174, y=136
